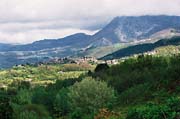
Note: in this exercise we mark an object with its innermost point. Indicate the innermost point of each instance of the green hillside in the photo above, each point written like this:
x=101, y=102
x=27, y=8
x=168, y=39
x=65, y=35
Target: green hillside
x=146, y=87
x=142, y=48
x=167, y=50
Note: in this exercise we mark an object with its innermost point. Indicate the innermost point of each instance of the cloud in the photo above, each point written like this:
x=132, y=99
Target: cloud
x=28, y=20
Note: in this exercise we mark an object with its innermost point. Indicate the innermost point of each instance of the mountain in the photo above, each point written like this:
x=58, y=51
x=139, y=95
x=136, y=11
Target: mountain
x=73, y=41
x=4, y=46
x=131, y=28
x=123, y=29
x=121, y=32
x=142, y=48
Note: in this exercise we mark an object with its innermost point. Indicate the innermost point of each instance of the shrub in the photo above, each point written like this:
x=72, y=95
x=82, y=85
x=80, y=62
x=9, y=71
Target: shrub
x=28, y=115
x=151, y=112
x=174, y=104
x=169, y=110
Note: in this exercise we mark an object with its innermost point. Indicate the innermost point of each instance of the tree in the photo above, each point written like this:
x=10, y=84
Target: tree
x=43, y=97
x=101, y=67
x=61, y=104
x=5, y=107
x=23, y=96
x=89, y=95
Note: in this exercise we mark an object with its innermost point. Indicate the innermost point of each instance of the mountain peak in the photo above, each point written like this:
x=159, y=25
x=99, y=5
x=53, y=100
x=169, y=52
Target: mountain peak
x=123, y=29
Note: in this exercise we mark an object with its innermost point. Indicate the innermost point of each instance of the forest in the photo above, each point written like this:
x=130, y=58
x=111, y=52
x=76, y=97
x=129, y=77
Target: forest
x=143, y=87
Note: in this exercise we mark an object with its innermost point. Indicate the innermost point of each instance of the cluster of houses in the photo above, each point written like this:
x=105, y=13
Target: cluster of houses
x=93, y=60
x=80, y=60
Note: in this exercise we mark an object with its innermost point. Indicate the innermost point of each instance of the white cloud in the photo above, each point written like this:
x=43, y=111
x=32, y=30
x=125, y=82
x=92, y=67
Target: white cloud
x=28, y=20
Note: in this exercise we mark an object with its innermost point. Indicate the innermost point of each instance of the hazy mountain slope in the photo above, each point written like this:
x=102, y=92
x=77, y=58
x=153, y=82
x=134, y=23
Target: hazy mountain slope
x=142, y=48
x=4, y=46
x=73, y=41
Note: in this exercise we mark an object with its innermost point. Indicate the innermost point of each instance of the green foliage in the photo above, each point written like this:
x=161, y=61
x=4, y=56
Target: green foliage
x=136, y=79
x=23, y=96
x=59, y=84
x=174, y=104
x=135, y=95
x=31, y=111
x=28, y=115
x=88, y=96
x=143, y=85
x=5, y=108
x=42, y=97
x=151, y=112
x=169, y=110
x=20, y=75
x=61, y=103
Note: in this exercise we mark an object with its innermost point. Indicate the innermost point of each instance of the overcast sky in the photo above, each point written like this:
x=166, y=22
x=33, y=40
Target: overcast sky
x=25, y=21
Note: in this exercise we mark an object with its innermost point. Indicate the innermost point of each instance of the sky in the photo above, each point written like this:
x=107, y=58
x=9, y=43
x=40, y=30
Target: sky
x=26, y=21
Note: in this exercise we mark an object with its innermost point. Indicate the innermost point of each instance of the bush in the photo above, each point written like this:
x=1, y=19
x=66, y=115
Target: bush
x=151, y=112
x=89, y=95
x=31, y=111
x=135, y=95
x=169, y=110
x=28, y=115
x=174, y=104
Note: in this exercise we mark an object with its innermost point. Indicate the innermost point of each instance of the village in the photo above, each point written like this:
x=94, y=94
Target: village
x=81, y=60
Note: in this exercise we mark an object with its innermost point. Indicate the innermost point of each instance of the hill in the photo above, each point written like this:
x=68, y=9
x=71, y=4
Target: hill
x=137, y=88
x=142, y=48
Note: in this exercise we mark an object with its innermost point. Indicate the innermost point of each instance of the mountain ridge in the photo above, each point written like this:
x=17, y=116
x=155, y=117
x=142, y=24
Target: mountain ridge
x=121, y=29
